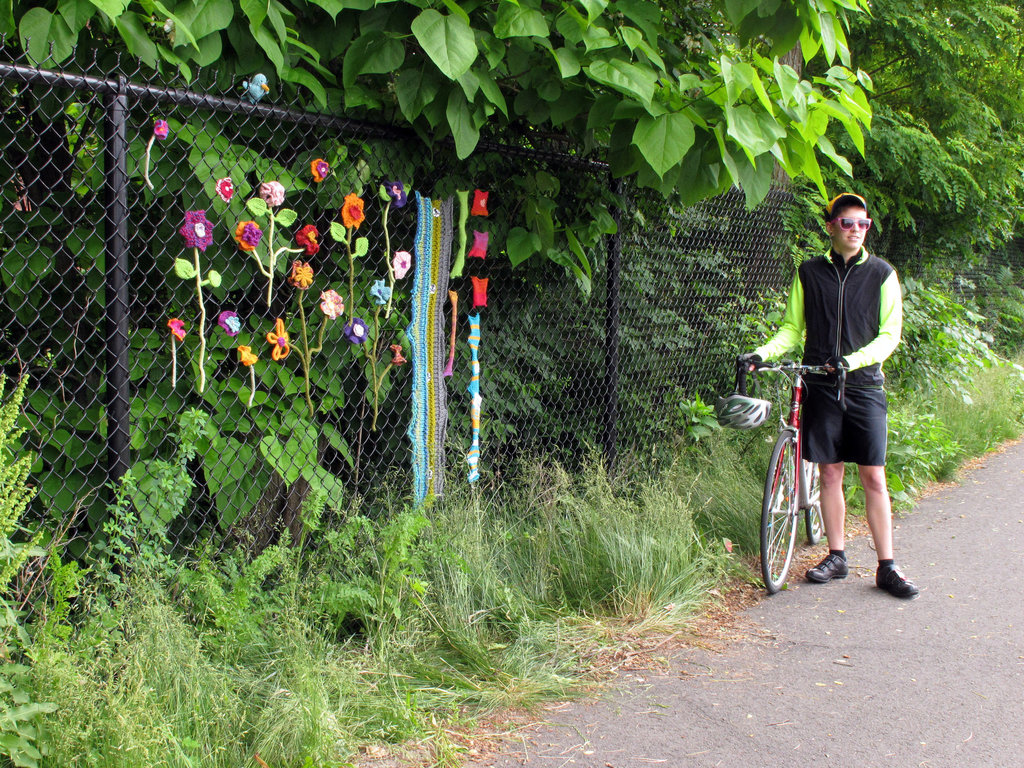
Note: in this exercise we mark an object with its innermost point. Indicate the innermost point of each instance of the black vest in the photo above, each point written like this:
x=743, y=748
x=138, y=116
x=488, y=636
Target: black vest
x=841, y=309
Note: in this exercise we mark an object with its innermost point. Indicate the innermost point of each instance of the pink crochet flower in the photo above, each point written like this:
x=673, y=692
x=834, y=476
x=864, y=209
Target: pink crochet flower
x=272, y=193
x=197, y=230
x=225, y=189
x=331, y=304
x=401, y=263
x=161, y=130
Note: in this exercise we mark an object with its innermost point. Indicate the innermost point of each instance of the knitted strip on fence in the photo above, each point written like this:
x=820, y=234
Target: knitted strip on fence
x=426, y=340
x=473, y=458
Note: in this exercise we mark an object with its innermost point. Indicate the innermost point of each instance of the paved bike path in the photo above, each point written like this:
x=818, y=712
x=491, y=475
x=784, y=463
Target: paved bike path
x=842, y=674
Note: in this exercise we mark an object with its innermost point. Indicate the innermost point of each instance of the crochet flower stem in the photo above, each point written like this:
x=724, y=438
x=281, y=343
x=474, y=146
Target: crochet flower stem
x=387, y=258
x=307, y=354
x=202, y=323
x=252, y=386
x=145, y=162
x=174, y=362
x=351, y=272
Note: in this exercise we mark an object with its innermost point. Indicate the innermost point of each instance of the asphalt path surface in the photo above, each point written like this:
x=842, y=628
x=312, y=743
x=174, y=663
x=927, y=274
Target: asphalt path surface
x=841, y=674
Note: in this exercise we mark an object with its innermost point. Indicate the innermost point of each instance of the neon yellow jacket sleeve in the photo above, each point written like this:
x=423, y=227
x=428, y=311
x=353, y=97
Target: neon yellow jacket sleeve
x=791, y=333
x=890, y=327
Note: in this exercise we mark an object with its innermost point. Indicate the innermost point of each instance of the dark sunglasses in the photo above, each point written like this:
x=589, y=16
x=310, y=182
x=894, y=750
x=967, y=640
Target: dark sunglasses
x=846, y=224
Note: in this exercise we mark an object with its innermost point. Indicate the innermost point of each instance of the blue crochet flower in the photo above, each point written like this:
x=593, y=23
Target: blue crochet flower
x=380, y=292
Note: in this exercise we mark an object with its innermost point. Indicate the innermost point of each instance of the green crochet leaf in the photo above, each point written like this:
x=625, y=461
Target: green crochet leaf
x=184, y=269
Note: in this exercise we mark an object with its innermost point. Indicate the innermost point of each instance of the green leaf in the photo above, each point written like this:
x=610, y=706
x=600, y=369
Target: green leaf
x=7, y=26
x=515, y=20
x=625, y=77
x=133, y=31
x=214, y=278
x=664, y=140
x=75, y=12
x=448, y=41
x=415, y=88
x=184, y=269
x=362, y=246
x=113, y=8
x=594, y=8
x=460, y=120
x=285, y=217
x=338, y=232
x=521, y=245
x=568, y=62
x=38, y=29
x=255, y=11
x=374, y=52
x=206, y=16
x=257, y=206
x=737, y=10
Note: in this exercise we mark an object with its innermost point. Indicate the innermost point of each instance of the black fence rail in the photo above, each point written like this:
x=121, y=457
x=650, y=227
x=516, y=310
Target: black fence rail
x=162, y=291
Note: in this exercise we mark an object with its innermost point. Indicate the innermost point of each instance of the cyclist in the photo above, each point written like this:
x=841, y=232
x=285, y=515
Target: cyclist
x=846, y=308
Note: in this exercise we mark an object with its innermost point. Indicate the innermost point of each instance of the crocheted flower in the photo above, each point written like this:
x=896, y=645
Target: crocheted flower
x=307, y=238
x=479, y=203
x=380, y=292
x=352, y=211
x=396, y=191
x=320, y=168
x=280, y=341
x=197, y=230
x=331, y=304
x=230, y=322
x=272, y=193
x=479, y=249
x=161, y=130
x=479, y=291
x=302, y=275
x=177, y=328
x=355, y=331
x=247, y=235
x=225, y=189
x=246, y=356
x=396, y=355
x=401, y=263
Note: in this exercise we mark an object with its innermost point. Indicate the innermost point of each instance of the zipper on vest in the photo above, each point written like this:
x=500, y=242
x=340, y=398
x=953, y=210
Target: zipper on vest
x=839, y=323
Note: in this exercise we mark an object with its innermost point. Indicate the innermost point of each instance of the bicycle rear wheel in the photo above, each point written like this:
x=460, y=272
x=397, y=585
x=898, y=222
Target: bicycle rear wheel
x=813, y=522
x=779, y=513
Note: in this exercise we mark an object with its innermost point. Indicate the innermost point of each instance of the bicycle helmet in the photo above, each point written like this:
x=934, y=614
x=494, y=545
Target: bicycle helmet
x=741, y=412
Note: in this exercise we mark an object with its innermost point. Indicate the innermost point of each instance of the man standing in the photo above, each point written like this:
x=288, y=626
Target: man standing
x=846, y=307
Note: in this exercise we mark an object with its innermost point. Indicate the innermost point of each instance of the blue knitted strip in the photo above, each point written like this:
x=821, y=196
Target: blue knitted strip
x=419, y=348
x=473, y=458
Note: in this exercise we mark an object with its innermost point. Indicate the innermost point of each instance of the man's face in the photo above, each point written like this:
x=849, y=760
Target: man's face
x=846, y=241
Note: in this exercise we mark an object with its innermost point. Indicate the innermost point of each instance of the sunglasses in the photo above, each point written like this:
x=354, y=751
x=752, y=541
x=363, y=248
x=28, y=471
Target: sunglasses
x=847, y=224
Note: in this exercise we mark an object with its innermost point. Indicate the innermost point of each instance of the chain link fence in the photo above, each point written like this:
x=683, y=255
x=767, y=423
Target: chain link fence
x=153, y=335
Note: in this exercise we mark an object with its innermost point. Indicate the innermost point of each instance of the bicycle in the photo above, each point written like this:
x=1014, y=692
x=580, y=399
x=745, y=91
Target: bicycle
x=787, y=492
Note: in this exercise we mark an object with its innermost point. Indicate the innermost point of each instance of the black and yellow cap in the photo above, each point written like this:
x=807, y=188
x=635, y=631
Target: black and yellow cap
x=841, y=201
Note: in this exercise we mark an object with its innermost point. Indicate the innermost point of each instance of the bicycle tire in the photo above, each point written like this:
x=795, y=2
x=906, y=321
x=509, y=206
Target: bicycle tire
x=779, y=513
x=814, y=524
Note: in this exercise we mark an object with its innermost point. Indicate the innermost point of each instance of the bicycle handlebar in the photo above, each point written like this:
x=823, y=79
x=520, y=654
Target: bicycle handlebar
x=743, y=367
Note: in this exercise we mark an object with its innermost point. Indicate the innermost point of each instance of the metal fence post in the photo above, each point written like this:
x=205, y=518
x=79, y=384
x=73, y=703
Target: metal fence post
x=115, y=237
x=609, y=422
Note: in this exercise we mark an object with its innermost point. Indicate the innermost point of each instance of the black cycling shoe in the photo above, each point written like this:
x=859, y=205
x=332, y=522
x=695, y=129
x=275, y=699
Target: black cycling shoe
x=832, y=567
x=892, y=580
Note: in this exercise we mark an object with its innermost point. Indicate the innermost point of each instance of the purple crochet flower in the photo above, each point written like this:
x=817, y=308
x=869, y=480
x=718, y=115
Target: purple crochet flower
x=396, y=191
x=197, y=230
x=355, y=331
x=230, y=322
x=161, y=129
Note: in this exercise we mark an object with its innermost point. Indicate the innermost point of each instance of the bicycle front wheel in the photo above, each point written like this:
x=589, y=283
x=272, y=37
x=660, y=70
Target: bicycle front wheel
x=779, y=513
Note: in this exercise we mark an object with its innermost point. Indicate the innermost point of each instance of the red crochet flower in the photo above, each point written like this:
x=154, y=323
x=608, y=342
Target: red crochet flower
x=307, y=238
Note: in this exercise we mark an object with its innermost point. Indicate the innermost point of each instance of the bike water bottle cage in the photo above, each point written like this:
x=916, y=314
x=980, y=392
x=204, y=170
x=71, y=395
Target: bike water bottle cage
x=742, y=412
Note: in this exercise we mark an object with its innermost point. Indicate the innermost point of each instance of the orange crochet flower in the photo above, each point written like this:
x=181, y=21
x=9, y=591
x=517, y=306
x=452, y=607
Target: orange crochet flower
x=279, y=339
x=320, y=169
x=302, y=275
x=246, y=356
x=177, y=328
x=352, y=211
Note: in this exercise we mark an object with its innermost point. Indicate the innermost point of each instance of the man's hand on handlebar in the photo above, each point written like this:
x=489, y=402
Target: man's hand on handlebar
x=749, y=360
x=835, y=364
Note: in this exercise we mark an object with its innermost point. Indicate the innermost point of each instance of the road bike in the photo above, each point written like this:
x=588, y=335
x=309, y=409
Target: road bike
x=788, y=494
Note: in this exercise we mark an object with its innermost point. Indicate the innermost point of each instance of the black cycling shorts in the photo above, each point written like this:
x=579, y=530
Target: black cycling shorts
x=858, y=435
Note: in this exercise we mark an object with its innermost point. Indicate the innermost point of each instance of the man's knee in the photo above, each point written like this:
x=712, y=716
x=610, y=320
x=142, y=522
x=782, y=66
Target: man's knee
x=831, y=474
x=873, y=479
